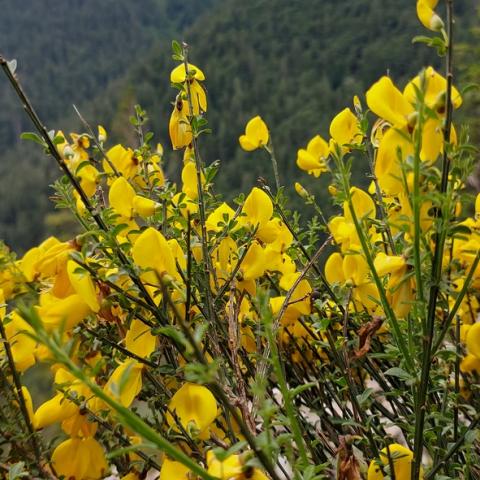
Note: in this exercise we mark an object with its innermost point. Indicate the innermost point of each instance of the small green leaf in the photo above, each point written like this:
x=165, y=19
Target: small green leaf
x=33, y=137
x=174, y=334
x=58, y=139
x=82, y=165
x=398, y=372
x=363, y=397
x=176, y=48
x=301, y=388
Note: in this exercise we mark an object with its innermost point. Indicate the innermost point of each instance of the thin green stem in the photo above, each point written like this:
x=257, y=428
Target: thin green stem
x=442, y=216
x=273, y=158
x=285, y=391
x=201, y=200
x=390, y=314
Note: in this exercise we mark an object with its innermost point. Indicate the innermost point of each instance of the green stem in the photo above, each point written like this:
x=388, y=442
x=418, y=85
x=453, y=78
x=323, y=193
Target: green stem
x=285, y=391
x=436, y=266
x=273, y=158
x=379, y=196
x=390, y=314
x=201, y=200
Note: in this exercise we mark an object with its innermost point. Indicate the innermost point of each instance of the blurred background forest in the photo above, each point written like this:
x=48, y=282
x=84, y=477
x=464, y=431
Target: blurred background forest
x=294, y=62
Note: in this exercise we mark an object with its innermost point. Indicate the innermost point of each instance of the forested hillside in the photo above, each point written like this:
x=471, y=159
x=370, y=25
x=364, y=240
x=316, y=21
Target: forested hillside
x=255, y=53
x=73, y=52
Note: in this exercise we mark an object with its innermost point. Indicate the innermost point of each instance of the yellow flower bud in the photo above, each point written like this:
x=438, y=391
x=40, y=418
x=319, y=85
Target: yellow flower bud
x=301, y=190
x=332, y=190
x=102, y=134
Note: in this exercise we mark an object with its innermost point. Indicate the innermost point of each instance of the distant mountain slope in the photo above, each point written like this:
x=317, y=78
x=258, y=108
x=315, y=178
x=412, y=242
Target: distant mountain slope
x=68, y=52
x=295, y=62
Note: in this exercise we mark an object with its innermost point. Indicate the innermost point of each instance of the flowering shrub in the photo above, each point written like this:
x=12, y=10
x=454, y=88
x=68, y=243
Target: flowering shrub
x=199, y=339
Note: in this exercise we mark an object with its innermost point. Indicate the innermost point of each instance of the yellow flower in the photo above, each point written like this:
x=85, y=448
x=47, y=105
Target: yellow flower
x=230, y=468
x=179, y=126
x=83, y=284
x=121, y=197
x=132, y=476
x=313, y=159
x=54, y=410
x=18, y=333
x=435, y=90
x=276, y=234
x=395, y=147
x=427, y=15
x=125, y=382
x=197, y=92
x=256, y=134
x=362, y=204
x=3, y=306
x=63, y=313
x=344, y=128
x=139, y=339
x=400, y=291
x=470, y=364
x=193, y=404
x=123, y=160
x=353, y=271
x=60, y=409
x=178, y=74
x=477, y=206
x=219, y=217
x=89, y=178
x=151, y=251
x=126, y=202
x=185, y=205
x=145, y=207
x=253, y=264
x=79, y=147
x=189, y=180
x=28, y=403
x=385, y=264
x=172, y=470
x=473, y=340
x=80, y=459
x=257, y=209
x=387, y=101
x=344, y=232
x=301, y=295
x=402, y=459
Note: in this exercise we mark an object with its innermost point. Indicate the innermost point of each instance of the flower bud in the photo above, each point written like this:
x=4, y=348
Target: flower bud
x=301, y=191
x=332, y=190
x=102, y=134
